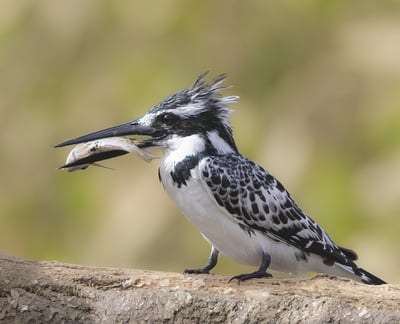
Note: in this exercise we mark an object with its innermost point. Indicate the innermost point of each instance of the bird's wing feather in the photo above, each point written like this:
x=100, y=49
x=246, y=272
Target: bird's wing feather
x=257, y=201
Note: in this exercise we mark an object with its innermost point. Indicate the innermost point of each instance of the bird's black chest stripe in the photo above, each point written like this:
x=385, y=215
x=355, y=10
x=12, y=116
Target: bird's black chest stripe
x=181, y=173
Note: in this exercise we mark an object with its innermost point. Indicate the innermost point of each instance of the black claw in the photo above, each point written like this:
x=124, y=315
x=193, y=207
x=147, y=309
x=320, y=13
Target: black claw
x=212, y=261
x=197, y=271
x=247, y=276
x=260, y=273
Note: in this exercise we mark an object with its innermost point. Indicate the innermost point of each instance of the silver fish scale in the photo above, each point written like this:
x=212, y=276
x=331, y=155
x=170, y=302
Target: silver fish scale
x=258, y=201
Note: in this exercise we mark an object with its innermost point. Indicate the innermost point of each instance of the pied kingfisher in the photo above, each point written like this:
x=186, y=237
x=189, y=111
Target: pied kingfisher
x=243, y=211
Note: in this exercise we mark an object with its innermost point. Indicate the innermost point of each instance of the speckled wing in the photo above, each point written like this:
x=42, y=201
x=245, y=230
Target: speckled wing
x=257, y=201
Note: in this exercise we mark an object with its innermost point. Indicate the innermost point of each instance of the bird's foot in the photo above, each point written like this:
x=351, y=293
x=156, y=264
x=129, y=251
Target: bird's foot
x=247, y=276
x=204, y=270
x=212, y=262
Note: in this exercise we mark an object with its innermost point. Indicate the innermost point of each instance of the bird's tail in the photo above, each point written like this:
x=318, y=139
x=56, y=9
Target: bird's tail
x=362, y=275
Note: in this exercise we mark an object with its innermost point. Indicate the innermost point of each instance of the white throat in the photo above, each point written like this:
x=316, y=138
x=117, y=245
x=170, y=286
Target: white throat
x=178, y=148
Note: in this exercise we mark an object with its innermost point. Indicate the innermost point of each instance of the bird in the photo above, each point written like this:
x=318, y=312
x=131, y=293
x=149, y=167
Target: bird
x=241, y=209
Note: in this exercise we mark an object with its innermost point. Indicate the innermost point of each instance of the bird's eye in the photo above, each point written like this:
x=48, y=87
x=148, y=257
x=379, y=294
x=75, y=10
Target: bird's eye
x=169, y=118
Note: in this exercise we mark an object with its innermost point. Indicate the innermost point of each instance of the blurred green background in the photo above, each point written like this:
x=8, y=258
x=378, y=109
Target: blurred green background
x=319, y=83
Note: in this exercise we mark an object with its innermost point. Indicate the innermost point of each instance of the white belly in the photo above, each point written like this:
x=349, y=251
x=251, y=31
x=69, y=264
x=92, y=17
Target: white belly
x=196, y=205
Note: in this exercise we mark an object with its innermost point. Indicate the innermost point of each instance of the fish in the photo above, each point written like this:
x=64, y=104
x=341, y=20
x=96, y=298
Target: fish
x=89, y=153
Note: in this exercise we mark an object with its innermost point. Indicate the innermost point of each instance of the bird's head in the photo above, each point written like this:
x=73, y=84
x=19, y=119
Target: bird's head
x=197, y=110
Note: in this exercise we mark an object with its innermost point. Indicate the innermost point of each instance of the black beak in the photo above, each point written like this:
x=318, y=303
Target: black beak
x=131, y=128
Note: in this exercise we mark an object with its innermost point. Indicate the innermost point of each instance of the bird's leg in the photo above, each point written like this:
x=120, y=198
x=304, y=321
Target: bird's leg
x=260, y=273
x=212, y=262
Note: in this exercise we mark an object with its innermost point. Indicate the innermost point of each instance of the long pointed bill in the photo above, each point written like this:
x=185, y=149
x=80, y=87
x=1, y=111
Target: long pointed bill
x=106, y=144
x=131, y=128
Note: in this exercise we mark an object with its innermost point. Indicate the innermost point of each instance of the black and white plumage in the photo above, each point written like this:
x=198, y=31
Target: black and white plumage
x=241, y=209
